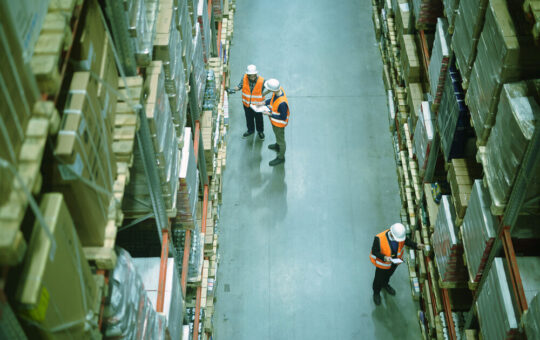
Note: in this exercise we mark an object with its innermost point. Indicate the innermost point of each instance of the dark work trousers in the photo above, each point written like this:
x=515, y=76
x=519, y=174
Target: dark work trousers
x=252, y=116
x=382, y=276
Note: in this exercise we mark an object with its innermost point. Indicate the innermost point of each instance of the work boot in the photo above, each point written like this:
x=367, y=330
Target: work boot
x=274, y=147
x=261, y=135
x=377, y=299
x=390, y=290
x=276, y=161
x=247, y=134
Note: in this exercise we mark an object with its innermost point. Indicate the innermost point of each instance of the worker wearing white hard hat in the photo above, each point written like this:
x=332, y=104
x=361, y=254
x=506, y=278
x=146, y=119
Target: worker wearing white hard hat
x=252, y=86
x=386, y=255
x=278, y=112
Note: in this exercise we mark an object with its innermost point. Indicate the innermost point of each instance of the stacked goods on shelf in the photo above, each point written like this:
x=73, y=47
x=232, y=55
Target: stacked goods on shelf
x=415, y=96
x=516, y=119
x=438, y=63
x=391, y=110
x=217, y=8
x=85, y=166
x=426, y=13
x=532, y=9
x=469, y=20
x=206, y=30
x=173, y=303
x=126, y=117
x=189, y=185
x=426, y=143
x=199, y=70
x=165, y=142
x=531, y=319
x=129, y=313
x=144, y=30
x=192, y=10
x=529, y=272
x=496, y=313
x=207, y=131
x=505, y=53
x=478, y=231
x=452, y=118
x=186, y=36
x=403, y=17
x=450, y=10
x=49, y=307
x=409, y=59
x=167, y=48
x=461, y=175
x=196, y=256
x=120, y=18
x=447, y=246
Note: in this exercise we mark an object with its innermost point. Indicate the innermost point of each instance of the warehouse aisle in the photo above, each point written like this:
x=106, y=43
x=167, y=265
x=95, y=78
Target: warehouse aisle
x=295, y=239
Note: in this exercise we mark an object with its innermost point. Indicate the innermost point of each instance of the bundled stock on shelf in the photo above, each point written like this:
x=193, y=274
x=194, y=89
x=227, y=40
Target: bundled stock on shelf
x=462, y=80
x=76, y=78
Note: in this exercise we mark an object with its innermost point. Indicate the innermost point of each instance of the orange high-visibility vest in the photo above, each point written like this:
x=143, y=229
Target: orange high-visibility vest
x=254, y=97
x=275, y=104
x=386, y=250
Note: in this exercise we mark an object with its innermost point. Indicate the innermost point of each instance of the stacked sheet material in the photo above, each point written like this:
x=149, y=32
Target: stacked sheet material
x=452, y=119
x=469, y=20
x=496, y=314
x=447, y=246
x=439, y=61
x=196, y=257
x=173, y=303
x=184, y=25
x=426, y=13
x=509, y=139
x=189, y=185
x=199, y=70
x=479, y=230
x=504, y=54
x=426, y=144
x=129, y=314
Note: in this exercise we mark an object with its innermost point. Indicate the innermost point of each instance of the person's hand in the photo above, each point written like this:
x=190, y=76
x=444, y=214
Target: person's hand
x=387, y=258
x=420, y=246
x=230, y=91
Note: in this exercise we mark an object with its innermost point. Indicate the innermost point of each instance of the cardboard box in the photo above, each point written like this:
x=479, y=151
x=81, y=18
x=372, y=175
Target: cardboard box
x=57, y=287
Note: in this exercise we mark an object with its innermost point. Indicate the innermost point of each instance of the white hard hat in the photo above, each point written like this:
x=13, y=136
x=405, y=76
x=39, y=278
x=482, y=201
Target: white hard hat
x=272, y=85
x=251, y=69
x=398, y=231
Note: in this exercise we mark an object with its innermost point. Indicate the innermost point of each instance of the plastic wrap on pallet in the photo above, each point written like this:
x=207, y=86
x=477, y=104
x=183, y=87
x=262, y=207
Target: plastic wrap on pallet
x=184, y=25
x=469, y=19
x=206, y=30
x=129, y=313
x=508, y=141
x=196, y=256
x=391, y=110
x=439, y=60
x=532, y=319
x=424, y=135
x=142, y=27
x=173, y=304
x=529, y=272
x=189, y=185
x=479, y=230
x=452, y=119
x=496, y=314
x=426, y=13
x=450, y=9
x=199, y=70
x=446, y=244
x=504, y=54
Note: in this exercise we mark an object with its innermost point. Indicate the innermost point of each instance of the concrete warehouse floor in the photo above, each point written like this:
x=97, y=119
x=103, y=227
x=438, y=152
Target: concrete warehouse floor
x=295, y=239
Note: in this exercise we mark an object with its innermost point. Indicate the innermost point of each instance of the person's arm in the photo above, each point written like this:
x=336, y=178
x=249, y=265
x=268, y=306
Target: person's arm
x=376, y=249
x=410, y=243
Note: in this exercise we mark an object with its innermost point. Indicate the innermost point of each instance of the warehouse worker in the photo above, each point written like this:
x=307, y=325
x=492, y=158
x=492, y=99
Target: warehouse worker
x=386, y=254
x=279, y=117
x=252, y=93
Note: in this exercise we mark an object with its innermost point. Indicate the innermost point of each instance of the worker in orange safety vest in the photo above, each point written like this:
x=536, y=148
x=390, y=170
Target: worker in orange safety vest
x=386, y=255
x=278, y=112
x=252, y=86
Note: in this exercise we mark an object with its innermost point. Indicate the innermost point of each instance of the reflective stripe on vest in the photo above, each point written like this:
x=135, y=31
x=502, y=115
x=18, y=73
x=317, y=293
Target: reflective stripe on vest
x=275, y=105
x=386, y=250
x=254, y=97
